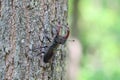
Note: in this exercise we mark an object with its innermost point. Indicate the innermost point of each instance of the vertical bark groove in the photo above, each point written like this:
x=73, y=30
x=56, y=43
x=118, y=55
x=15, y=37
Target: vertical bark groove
x=9, y=59
x=0, y=7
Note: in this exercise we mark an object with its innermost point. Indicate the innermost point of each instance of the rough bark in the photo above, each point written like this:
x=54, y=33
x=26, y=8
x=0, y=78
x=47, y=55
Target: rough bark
x=21, y=29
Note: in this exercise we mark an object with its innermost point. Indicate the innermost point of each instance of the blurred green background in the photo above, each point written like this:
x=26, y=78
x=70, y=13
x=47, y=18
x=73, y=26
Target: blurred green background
x=97, y=23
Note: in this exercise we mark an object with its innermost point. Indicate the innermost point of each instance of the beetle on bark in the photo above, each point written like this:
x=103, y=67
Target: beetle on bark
x=49, y=50
x=58, y=39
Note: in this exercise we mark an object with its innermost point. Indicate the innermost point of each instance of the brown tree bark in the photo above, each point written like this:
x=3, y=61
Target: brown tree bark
x=22, y=23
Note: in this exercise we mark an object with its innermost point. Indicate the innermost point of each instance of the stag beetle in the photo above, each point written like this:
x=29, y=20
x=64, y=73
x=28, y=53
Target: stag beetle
x=58, y=39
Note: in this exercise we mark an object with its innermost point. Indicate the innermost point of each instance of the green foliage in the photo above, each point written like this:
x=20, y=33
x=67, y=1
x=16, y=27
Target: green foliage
x=99, y=29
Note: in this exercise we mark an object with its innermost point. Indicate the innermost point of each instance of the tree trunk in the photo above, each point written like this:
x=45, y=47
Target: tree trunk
x=22, y=27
